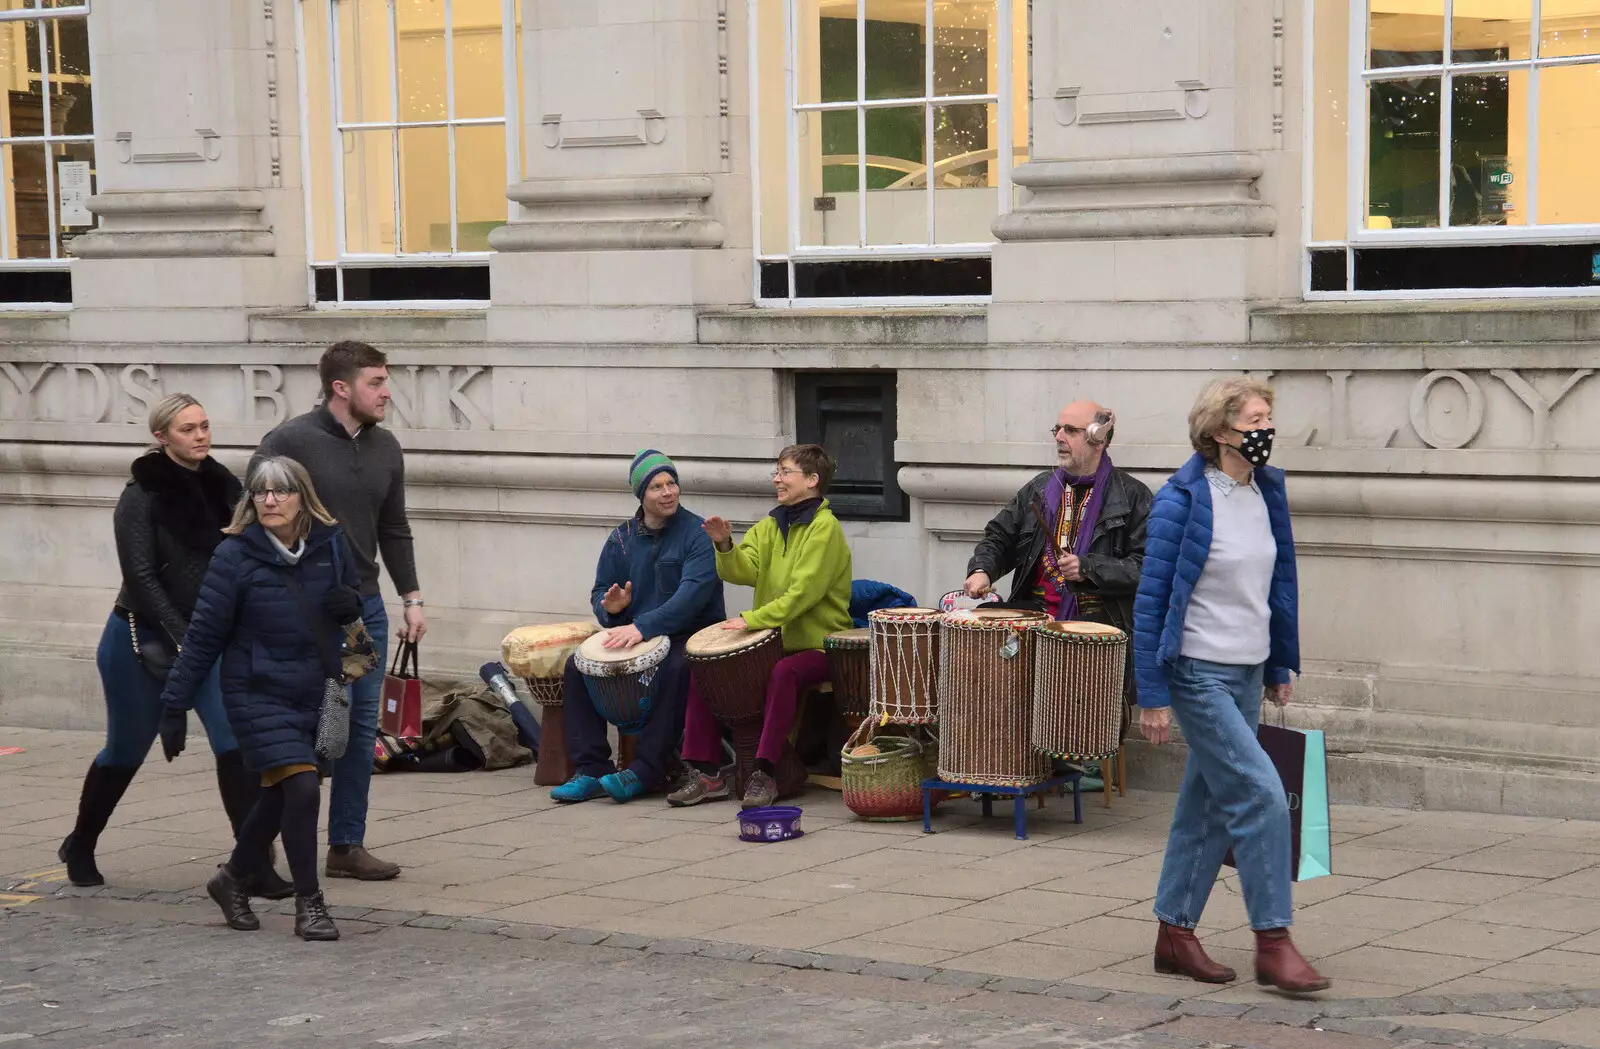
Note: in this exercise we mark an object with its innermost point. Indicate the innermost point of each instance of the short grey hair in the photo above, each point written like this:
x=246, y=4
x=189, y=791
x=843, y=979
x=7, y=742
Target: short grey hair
x=1218, y=405
x=282, y=473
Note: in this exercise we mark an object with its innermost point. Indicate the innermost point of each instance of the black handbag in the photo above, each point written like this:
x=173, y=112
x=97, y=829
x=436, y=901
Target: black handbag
x=152, y=648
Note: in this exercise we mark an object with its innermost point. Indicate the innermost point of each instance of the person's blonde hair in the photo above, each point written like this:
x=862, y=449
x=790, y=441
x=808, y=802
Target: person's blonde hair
x=165, y=411
x=281, y=472
x=1218, y=405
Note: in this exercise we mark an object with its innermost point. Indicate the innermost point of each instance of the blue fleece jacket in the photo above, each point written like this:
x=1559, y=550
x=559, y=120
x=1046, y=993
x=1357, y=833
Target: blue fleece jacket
x=1177, y=544
x=674, y=574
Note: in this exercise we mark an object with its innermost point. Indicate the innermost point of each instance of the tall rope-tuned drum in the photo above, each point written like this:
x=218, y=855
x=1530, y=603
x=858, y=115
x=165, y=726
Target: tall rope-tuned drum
x=538, y=655
x=986, y=698
x=730, y=670
x=904, y=665
x=1078, y=675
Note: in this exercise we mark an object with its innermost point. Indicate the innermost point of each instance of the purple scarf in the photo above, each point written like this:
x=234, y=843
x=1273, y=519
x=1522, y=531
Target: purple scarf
x=1053, y=493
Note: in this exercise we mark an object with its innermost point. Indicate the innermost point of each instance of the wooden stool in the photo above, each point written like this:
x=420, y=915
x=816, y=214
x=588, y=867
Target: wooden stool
x=816, y=779
x=1120, y=761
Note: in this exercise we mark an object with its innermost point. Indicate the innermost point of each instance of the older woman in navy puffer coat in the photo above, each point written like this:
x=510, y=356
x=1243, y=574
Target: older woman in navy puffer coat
x=270, y=606
x=1216, y=622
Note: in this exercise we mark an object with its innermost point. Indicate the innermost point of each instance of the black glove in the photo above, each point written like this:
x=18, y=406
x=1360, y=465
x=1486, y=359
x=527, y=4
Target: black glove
x=174, y=731
x=343, y=603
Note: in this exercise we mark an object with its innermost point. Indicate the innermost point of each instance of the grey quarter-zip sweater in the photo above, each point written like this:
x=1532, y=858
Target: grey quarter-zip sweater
x=362, y=482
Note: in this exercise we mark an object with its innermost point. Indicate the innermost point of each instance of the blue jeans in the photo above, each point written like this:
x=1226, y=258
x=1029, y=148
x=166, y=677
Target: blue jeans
x=1231, y=796
x=352, y=774
x=133, y=703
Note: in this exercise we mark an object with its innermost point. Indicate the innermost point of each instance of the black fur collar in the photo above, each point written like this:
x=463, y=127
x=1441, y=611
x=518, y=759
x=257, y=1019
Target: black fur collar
x=192, y=505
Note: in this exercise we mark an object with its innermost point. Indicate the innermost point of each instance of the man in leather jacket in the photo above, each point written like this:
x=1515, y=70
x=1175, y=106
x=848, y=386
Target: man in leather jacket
x=1039, y=536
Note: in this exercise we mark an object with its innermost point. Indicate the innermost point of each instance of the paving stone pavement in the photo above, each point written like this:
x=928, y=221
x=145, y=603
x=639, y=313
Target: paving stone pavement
x=1445, y=926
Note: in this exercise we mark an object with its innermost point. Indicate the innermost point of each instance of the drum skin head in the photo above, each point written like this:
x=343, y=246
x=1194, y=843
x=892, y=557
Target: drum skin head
x=540, y=652
x=994, y=618
x=903, y=615
x=1079, y=628
x=714, y=640
x=595, y=651
x=857, y=637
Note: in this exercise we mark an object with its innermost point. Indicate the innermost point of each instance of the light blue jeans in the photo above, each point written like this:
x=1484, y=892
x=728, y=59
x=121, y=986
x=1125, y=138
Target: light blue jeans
x=352, y=774
x=1231, y=796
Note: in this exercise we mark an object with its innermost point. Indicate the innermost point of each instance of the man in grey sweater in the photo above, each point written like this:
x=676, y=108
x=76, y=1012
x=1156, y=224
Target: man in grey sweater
x=358, y=469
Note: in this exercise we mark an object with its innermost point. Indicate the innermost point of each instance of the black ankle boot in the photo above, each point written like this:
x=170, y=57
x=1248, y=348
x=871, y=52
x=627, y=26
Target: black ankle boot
x=240, y=788
x=103, y=787
x=311, y=919
x=228, y=890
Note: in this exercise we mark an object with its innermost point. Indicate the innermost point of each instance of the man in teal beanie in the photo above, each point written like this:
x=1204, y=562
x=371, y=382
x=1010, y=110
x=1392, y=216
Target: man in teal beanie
x=657, y=577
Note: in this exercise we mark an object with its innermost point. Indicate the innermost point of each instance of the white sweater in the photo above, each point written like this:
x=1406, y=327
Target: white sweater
x=1228, y=619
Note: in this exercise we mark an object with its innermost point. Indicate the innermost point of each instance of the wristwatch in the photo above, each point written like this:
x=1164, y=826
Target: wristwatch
x=413, y=602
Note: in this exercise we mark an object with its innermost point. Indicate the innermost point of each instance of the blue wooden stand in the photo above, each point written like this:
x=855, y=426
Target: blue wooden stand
x=1019, y=796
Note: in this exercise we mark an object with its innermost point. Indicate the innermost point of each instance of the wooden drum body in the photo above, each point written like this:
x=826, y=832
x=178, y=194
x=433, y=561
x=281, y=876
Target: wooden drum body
x=986, y=699
x=621, y=682
x=730, y=670
x=849, y=655
x=1078, y=689
x=538, y=655
x=904, y=675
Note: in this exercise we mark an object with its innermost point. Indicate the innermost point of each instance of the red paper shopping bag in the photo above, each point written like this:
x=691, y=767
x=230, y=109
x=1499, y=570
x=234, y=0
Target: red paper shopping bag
x=401, y=714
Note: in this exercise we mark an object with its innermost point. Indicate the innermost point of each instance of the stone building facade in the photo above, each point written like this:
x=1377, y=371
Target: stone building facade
x=910, y=229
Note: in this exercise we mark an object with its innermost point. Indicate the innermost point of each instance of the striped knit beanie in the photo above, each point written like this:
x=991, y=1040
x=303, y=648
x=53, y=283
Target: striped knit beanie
x=645, y=466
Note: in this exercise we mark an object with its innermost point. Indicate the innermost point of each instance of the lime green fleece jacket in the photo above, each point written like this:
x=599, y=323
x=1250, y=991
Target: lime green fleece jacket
x=802, y=586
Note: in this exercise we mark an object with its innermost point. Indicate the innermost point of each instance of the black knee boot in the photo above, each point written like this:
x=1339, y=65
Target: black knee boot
x=103, y=787
x=239, y=788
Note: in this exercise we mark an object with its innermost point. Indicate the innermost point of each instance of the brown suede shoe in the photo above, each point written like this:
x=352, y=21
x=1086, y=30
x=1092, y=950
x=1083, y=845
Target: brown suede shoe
x=1179, y=953
x=353, y=861
x=1279, y=964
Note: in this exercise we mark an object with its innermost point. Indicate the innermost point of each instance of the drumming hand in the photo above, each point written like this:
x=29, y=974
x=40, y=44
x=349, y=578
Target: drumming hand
x=1281, y=694
x=1156, y=724
x=737, y=623
x=1071, y=568
x=977, y=584
x=617, y=598
x=719, y=531
x=623, y=637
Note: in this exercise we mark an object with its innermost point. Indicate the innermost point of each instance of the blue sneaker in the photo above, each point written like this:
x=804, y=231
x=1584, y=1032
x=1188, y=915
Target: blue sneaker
x=578, y=788
x=622, y=786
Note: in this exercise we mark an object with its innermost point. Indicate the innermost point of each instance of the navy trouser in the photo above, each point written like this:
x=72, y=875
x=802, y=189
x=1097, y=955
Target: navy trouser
x=655, y=744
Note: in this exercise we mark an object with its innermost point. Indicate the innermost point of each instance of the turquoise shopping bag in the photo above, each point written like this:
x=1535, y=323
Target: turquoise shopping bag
x=1301, y=758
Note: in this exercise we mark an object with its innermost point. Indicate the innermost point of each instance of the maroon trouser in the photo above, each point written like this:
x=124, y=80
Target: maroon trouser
x=794, y=675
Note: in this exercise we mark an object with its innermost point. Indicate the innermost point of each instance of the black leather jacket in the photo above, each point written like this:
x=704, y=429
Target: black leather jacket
x=1013, y=542
x=167, y=523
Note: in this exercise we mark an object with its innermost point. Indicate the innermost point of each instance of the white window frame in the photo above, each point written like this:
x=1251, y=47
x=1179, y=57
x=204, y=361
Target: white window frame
x=343, y=258
x=797, y=252
x=57, y=260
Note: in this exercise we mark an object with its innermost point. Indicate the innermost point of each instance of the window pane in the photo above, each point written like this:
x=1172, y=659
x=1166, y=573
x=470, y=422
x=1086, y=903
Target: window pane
x=366, y=87
x=369, y=192
x=965, y=55
x=1490, y=30
x=68, y=45
x=319, y=131
x=1569, y=27
x=1569, y=128
x=830, y=204
x=479, y=59
x=1405, y=32
x=480, y=185
x=896, y=49
x=1330, y=88
x=1403, y=154
x=897, y=202
x=425, y=189
x=770, y=85
x=966, y=173
x=1489, y=149
x=826, y=47
x=75, y=182
x=420, y=25
x=23, y=115
x=28, y=209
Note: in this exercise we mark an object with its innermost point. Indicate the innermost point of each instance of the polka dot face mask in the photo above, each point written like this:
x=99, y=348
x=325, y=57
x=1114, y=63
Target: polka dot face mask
x=1256, y=448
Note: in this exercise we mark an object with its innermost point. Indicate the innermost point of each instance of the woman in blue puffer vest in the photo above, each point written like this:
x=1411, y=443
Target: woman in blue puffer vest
x=270, y=606
x=1216, y=623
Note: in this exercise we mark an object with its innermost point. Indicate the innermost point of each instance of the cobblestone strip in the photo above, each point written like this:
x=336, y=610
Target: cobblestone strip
x=1356, y=1016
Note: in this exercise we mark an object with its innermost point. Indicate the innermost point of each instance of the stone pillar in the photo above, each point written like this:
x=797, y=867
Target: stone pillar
x=200, y=209
x=1147, y=211
x=634, y=206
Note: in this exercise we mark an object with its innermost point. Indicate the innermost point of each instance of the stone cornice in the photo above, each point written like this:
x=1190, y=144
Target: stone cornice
x=611, y=214
x=177, y=224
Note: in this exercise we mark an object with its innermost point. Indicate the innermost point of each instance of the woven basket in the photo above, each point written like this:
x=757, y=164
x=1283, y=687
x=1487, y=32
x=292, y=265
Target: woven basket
x=886, y=787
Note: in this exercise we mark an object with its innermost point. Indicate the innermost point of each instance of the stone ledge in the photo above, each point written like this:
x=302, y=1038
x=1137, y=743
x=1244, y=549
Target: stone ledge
x=853, y=327
x=1458, y=321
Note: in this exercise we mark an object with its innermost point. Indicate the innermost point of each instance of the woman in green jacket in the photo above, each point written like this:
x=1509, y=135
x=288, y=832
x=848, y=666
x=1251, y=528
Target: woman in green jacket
x=799, y=563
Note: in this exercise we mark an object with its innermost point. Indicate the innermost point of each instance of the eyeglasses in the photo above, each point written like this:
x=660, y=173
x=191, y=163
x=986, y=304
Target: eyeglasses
x=1071, y=431
x=786, y=471
x=261, y=495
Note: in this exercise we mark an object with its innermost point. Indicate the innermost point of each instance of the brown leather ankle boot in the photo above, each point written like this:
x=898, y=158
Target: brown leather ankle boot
x=1179, y=953
x=1279, y=964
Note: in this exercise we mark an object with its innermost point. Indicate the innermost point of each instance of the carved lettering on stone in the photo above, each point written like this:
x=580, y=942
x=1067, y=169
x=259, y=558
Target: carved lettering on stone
x=1418, y=409
x=1339, y=434
x=25, y=386
x=457, y=399
x=403, y=398
x=146, y=396
x=1537, y=403
x=255, y=392
x=99, y=393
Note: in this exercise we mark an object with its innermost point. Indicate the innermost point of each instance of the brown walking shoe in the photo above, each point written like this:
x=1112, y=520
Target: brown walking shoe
x=1279, y=964
x=1178, y=953
x=353, y=861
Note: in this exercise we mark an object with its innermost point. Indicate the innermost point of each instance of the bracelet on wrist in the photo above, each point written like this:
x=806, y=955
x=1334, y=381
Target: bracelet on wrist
x=412, y=602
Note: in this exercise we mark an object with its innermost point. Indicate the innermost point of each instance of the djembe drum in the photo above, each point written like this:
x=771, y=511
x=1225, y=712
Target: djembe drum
x=849, y=655
x=986, y=699
x=538, y=655
x=730, y=670
x=1078, y=673
x=621, y=682
x=904, y=665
